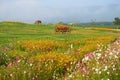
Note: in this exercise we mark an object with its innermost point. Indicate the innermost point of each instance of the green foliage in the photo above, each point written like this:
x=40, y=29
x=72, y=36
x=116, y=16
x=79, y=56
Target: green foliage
x=117, y=21
x=62, y=23
x=3, y=59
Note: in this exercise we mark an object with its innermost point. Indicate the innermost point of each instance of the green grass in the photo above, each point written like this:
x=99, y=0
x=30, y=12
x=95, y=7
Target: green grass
x=11, y=31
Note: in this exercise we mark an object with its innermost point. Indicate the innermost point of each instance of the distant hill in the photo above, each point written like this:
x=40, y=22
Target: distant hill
x=13, y=22
x=96, y=24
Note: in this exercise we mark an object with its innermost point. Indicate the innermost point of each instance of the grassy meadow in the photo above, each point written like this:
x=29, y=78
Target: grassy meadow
x=37, y=52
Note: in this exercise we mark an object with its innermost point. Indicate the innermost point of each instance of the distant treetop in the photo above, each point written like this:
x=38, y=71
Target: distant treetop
x=116, y=21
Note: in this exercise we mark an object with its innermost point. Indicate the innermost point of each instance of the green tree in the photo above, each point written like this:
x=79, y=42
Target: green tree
x=117, y=21
x=62, y=23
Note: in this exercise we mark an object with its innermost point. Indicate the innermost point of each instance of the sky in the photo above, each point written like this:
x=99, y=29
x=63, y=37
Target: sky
x=54, y=11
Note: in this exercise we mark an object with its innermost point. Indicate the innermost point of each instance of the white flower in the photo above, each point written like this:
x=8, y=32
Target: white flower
x=114, y=69
x=31, y=64
x=99, y=72
x=70, y=76
x=106, y=55
x=111, y=53
x=113, y=66
x=108, y=73
x=105, y=68
x=93, y=68
x=71, y=46
x=99, y=55
x=96, y=70
x=83, y=75
x=116, y=56
x=11, y=75
x=97, y=58
x=86, y=58
x=25, y=72
x=18, y=61
x=83, y=60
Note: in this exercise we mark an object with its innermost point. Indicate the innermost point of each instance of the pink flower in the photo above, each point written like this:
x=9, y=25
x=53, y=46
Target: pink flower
x=9, y=65
x=80, y=63
x=104, y=60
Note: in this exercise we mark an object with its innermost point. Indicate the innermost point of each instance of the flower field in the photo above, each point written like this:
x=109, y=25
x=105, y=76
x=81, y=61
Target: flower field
x=99, y=65
x=40, y=46
x=49, y=56
x=47, y=45
x=45, y=63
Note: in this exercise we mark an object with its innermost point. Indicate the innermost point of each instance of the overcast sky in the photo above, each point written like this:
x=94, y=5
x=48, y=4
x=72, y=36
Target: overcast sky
x=51, y=11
